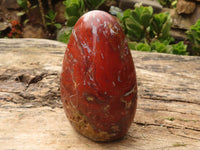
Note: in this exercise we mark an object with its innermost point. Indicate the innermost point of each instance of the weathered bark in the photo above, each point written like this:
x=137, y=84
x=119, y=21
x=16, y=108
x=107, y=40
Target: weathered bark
x=32, y=117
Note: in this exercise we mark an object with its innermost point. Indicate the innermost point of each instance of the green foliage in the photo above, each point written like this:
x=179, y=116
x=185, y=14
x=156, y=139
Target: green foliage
x=143, y=15
x=160, y=26
x=136, y=22
x=64, y=37
x=51, y=17
x=23, y=4
x=139, y=46
x=180, y=48
x=74, y=9
x=193, y=34
x=149, y=32
x=141, y=24
x=161, y=47
x=93, y=4
x=168, y=3
x=26, y=6
x=21, y=13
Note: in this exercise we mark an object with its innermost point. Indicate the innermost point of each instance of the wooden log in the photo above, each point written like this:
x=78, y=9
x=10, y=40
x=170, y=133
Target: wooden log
x=32, y=116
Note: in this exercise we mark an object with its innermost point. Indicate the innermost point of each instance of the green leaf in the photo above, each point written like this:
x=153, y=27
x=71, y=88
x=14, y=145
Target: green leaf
x=51, y=15
x=127, y=12
x=166, y=25
x=82, y=7
x=143, y=47
x=180, y=48
x=120, y=16
x=34, y=6
x=21, y=13
x=135, y=31
x=159, y=47
x=48, y=23
x=139, y=46
x=22, y=4
x=160, y=26
x=26, y=21
x=173, y=4
x=135, y=16
x=71, y=21
x=150, y=9
x=72, y=10
x=193, y=34
x=136, y=22
x=57, y=25
x=132, y=45
x=48, y=17
x=146, y=19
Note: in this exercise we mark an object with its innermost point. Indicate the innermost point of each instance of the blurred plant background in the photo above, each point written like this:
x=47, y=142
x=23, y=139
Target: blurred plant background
x=150, y=32
x=165, y=26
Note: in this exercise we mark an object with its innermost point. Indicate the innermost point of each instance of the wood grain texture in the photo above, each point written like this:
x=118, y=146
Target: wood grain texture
x=32, y=116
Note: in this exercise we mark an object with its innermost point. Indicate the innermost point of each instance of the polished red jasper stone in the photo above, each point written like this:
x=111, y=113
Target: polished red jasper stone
x=98, y=79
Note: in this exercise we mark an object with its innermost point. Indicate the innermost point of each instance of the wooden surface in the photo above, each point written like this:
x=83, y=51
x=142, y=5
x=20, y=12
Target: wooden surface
x=32, y=117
